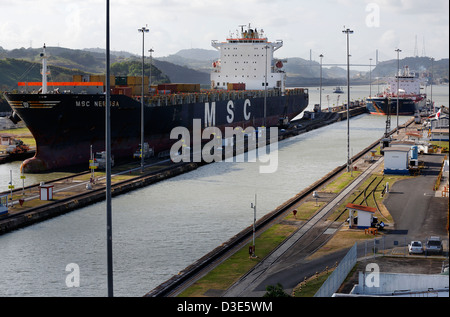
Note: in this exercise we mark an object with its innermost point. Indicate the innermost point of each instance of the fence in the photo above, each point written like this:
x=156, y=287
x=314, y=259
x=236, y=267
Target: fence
x=392, y=246
x=339, y=274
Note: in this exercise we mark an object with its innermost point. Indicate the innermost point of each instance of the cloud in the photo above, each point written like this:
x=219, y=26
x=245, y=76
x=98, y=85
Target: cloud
x=413, y=7
x=179, y=24
x=389, y=39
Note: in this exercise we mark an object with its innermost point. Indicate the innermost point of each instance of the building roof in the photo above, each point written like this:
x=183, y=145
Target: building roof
x=396, y=149
x=416, y=134
x=360, y=208
x=443, y=130
x=409, y=143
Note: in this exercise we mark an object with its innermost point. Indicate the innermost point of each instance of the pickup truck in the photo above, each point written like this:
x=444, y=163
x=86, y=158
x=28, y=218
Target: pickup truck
x=434, y=245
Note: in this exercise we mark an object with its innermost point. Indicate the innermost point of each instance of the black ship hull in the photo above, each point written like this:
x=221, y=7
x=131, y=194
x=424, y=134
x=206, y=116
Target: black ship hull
x=65, y=126
x=384, y=105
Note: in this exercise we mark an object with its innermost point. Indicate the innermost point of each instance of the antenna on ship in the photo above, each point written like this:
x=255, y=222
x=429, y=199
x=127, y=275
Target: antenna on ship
x=44, y=71
x=242, y=30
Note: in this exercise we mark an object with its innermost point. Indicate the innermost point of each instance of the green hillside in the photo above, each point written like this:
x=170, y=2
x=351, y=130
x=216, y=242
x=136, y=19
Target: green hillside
x=134, y=68
x=13, y=71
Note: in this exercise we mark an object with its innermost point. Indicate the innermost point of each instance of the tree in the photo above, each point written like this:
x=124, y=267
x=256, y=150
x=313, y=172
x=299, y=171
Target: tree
x=275, y=291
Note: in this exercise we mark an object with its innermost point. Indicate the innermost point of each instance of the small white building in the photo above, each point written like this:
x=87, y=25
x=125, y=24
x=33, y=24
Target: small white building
x=396, y=160
x=364, y=218
x=401, y=285
x=439, y=134
x=46, y=192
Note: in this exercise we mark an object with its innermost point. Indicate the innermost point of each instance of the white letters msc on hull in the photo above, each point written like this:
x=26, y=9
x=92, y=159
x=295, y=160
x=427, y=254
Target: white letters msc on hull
x=230, y=110
x=210, y=114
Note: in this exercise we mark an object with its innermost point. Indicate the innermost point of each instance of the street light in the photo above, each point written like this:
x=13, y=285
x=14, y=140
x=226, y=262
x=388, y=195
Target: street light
x=143, y=30
x=109, y=246
x=265, y=90
x=150, y=78
x=370, y=78
x=348, y=32
x=432, y=79
x=254, y=224
x=320, y=102
x=398, y=82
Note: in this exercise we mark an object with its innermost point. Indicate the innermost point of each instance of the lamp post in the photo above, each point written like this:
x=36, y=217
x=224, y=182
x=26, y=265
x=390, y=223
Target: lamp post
x=254, y=224
x=432, y=79
x=265, y=90
x=143, y=30
x=370, y=78
x=150, y=78
x=398, y=82
x=320, y=102
x=348, y=32
x=108, y=162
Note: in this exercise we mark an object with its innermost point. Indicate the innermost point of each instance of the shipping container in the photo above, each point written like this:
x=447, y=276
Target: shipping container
x=171, y=87
x=137, y=90
x=131, y=80
x=127, y=91
x=236, y=86
x=188, y=88
x=121, y=80
x=95, y=78
x=136, y=80
x=112, y=80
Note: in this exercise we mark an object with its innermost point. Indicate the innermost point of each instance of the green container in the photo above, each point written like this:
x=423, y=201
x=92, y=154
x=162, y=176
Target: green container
x=121, y=80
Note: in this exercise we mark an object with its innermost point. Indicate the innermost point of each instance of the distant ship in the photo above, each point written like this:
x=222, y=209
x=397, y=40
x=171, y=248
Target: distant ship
x=409, y=96
x=338, y=90
x=247, y=89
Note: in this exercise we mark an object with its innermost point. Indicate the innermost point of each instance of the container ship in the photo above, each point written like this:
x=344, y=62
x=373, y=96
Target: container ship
x=408, y=94
x=67, y=120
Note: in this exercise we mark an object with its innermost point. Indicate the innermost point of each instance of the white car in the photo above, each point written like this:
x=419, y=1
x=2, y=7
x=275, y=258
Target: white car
x=415, y=247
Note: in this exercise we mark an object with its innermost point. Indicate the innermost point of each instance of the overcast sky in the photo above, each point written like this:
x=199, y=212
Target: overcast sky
x=179, y=24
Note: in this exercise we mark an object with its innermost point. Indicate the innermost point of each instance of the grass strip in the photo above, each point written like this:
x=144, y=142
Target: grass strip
x=228, y=272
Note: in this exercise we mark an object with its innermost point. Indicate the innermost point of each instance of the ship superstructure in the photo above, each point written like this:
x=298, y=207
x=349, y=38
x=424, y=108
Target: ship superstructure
x=248, y=59
x=404, y=87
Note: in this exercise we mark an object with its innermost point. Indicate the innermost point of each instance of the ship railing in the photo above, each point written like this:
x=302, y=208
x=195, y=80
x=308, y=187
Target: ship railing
x=219, y=95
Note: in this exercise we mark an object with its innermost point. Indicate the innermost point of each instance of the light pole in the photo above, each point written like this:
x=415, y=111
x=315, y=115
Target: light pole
x=320, y=102
x=432, y=79
x=143, y=30
x=348, y=32
x=108, y=162
x=254, y=224
x=398, y=82
x=370, y=78
x=150, y=78
x=265, y=90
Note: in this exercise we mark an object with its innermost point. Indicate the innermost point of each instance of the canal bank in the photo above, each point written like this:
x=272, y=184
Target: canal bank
x=81, y=197
x=74, y=196
x=198, y=269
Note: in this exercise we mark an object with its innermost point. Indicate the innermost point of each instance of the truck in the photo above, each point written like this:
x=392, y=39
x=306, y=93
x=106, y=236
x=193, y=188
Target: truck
x=147, y=152
x=100, y=160
x=434, y=245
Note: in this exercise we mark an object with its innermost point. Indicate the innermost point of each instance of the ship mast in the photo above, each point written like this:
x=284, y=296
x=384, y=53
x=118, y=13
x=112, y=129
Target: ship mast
x=44, y=71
